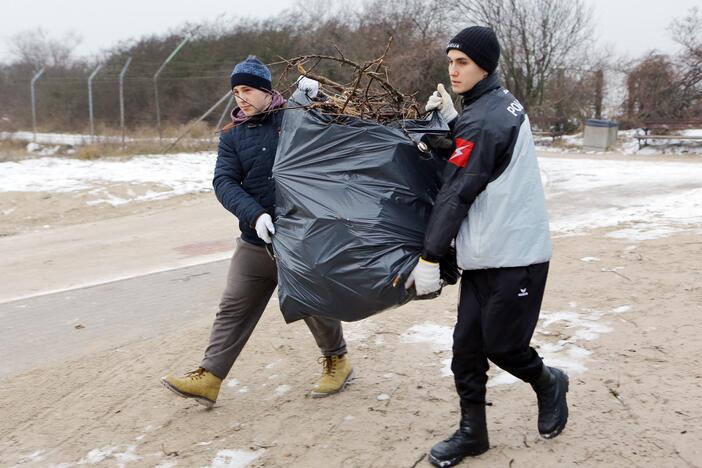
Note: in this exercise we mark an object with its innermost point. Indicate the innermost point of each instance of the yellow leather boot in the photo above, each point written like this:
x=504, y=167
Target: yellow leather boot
x=200, y=384
x=336, y=373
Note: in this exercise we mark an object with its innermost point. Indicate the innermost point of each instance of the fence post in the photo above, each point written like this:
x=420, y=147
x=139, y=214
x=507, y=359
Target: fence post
x=158, y=72
x=121, y=96
x=90, y=101
x=202, y=117
x=224, y=113
x=34, y=102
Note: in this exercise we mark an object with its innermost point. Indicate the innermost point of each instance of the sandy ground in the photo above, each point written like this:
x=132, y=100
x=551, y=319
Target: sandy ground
x=624, y=320
x=25, y=212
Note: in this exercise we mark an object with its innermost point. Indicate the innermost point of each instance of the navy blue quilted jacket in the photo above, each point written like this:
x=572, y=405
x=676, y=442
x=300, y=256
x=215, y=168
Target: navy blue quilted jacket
x=242, y=177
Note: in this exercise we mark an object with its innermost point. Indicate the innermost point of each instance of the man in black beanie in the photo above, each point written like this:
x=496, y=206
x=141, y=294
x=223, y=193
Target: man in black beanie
x=492, y=203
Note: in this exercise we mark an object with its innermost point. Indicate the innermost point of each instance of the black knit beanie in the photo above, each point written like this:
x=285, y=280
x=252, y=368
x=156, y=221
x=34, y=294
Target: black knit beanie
x=480, y=44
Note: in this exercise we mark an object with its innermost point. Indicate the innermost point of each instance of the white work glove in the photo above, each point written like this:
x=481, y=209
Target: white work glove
x=308, y=86
x=441, y=101
x=265, y=228
x=425, y=277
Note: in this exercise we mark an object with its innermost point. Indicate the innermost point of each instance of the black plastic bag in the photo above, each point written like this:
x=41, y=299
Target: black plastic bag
x=353, y=198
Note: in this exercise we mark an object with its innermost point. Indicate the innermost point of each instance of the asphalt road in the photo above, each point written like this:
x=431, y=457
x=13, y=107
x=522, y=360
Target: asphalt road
x=53, y=328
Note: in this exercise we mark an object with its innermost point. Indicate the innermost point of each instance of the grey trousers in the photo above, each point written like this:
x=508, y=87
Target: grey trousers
x=251, y=280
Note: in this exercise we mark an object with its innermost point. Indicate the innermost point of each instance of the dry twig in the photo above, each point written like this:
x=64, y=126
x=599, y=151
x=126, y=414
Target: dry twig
x=368, y=93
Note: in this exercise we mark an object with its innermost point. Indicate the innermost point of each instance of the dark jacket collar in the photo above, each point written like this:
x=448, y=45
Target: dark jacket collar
x=492, y=81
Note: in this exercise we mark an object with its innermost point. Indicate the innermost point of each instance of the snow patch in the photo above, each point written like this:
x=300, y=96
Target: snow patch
x=439, y=336
x=590, y=259
x=626, y=143
x=501, y=378
x=176, y=174
x=571, y=183
x=575, y=326
x=356, y=331
x=166, y=464
x=234, y=458
x=74, y=139
x=111, y=452
x=639, y=234
x=232, y=383
x=35, y=456
x=446, y=368
x=97, y=455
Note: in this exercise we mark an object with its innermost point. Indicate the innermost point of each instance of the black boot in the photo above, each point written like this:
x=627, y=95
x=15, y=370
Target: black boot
x=470, y=439
x=551, y=388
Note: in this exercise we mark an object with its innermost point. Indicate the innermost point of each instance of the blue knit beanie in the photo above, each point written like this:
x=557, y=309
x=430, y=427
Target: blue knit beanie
x=252, y=72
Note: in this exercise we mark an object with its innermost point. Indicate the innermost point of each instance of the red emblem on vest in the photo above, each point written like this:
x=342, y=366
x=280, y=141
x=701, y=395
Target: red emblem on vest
x=461, y=155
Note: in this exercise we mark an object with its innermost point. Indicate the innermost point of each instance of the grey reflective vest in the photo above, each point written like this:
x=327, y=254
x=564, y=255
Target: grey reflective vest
x=492, y=200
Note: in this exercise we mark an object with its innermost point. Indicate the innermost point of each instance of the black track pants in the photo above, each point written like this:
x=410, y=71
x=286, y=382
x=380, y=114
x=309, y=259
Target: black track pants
x=497, y=314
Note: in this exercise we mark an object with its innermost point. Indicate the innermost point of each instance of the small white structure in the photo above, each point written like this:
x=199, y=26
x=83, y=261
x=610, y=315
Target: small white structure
x=600, y=134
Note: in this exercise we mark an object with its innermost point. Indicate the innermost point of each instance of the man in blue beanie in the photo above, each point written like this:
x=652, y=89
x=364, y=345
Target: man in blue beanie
x=492, y=203
x=243, y=184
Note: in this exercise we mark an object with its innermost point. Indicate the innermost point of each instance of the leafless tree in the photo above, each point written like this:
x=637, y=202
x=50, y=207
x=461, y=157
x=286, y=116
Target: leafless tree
x=654, y=90
x=687, y=31
x=537, y=38
x=35, y=47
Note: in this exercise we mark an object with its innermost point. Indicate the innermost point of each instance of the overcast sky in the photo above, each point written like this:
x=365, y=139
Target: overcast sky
x=631, y=27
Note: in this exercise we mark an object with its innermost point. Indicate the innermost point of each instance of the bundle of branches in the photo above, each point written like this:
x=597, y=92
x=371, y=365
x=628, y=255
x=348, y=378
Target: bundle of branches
x=368, y=93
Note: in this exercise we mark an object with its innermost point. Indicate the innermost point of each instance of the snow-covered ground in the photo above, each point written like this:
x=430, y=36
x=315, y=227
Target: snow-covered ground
x=72, y=139
x=626, y=143
x=584, y=325
x=50, y=143
x=170, y=175
x=629, y=145
x=582, y=193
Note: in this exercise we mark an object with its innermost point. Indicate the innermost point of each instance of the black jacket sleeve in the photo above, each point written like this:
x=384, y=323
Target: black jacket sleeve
x=228, y=176
x=466, y=175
